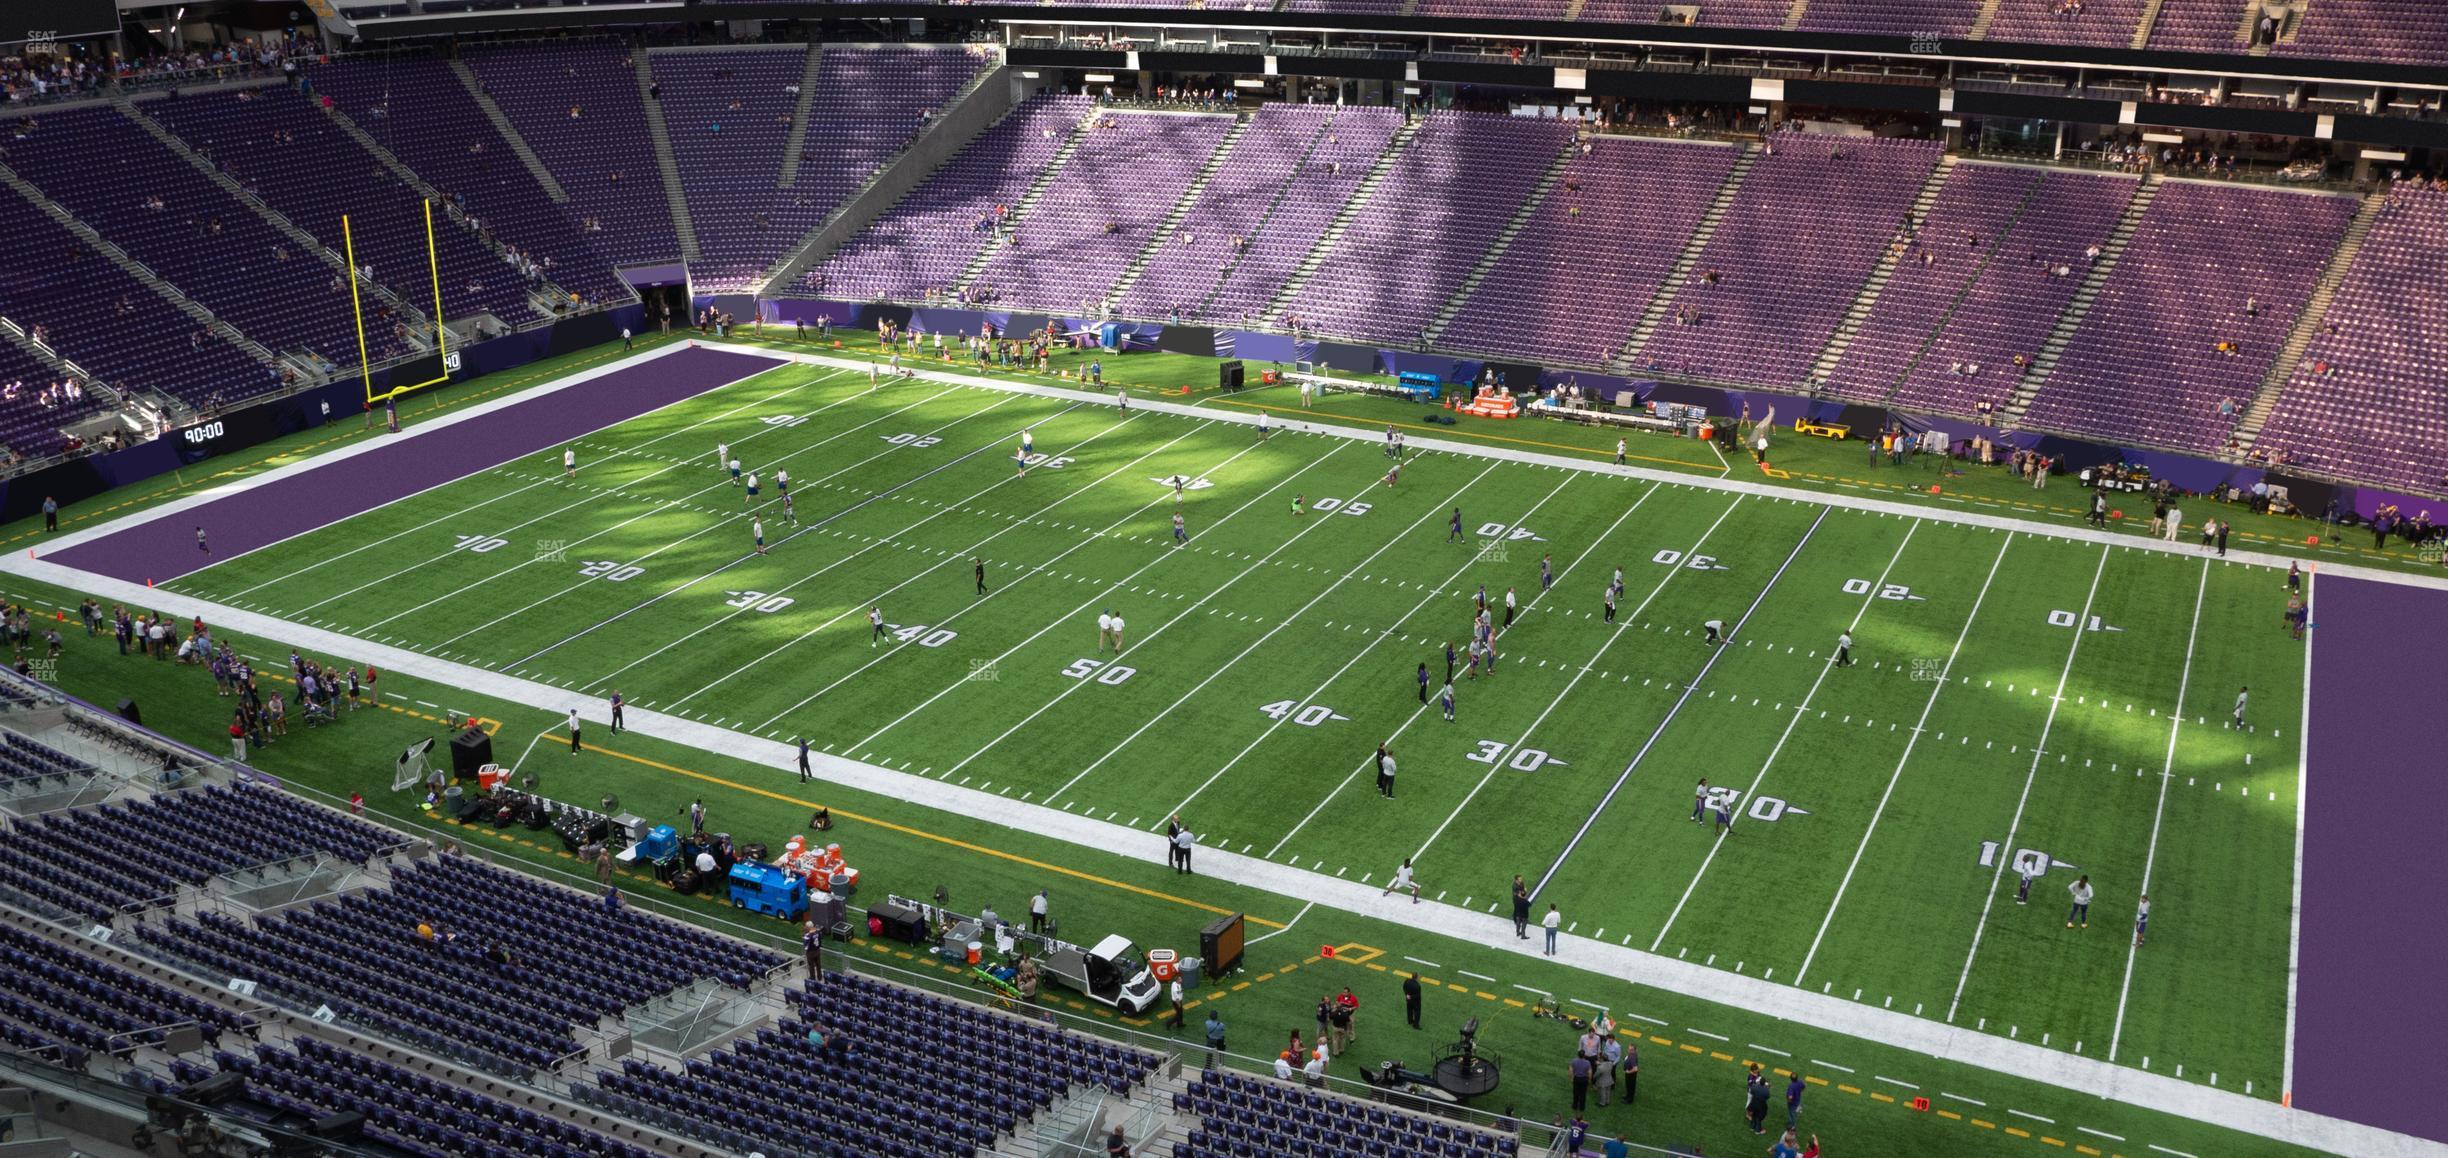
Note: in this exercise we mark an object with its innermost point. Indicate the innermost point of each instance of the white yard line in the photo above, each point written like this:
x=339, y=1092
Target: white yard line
x=880, y=541
x=461, y=515
x=1329, y=589
x=1910, y=741
x=2303, y=782
x=1040, y=568
x=919, y=575
x=728, y=523
x=2167, y=772
x=1071, y=617
x=1366, y=762
x=1622, y=623
x=1715, y=653
x=1800, y=710
x=2082, y=621
x=1392, y=629
x=657, y=509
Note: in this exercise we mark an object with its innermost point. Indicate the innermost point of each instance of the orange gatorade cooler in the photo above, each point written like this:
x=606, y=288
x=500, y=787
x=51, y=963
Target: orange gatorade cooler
x=1163, y=964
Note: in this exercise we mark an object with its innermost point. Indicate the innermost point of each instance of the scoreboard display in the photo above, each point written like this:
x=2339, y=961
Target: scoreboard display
x=28, y=25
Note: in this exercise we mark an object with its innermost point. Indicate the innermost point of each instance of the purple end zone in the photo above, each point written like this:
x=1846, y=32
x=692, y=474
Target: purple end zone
x=2369, y=1003
x=164, y=548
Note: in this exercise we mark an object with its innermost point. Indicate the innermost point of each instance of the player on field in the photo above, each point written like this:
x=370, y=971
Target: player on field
x=1423, y=685
x=1262, y=426
x=1509, y=608
x=978, y=563
x=2294, y=576
x=756, y=527
x=790, y=509
x=1725, y=814
x=2080, y=890
x=569, y=462
x=1177, y=490
x=1546, y=571
x=1844, y=649
x=2023, y=869
x=1028, y=446
x=1121, y=399
x=782, y=482
x=1716, y=631
x=1117, y=634
x=1450, y=658
x=722, y=454
x=1104, y=631
x=2238, y=721
x=1619, y=452
x=1699, y=800
x=2142, y=921
x=1393, y=473
x=1453, y=527
x=2296, y=613
x=201, y=545
x=1610, y=605
x=1445, y=700
x=1181, y=534
x=1297, y=501
x=1618, y=582
x=1403, y=882
x=1385, y=772
x=1391, y=448
x=752, y=488
x=875, y=625
x=1477, y=650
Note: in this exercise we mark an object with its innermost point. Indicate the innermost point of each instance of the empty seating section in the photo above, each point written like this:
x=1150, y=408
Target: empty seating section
x=146, y=199
x=1454, y=188
x=51, y=992
x=1270, y=153
x=1354, y=139
x=441, y=134
x=2100, y=24
x=1497, y=9
x=729, y=113
x=406, y=1112
x=870, y=103
x=627, y=220
x=1239, y=1115
x=570, y=962
x=2207, y=266
x=100, y=317
x=1574, y=281
x=1800, y=239
x=921, y=245
x=2367, y=398
x=1129, y=171
x=291, y=155
x=896, y=1076
x=1948, y=18
x=135, y=854
x=1360, y=7
x=1713, y=13
x=26, y=759
x=1977, y=307
x=2396, y=31
x=2201, y=26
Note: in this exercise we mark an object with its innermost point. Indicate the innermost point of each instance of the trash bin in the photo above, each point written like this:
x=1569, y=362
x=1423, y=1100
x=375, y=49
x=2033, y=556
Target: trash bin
x=1189, y=970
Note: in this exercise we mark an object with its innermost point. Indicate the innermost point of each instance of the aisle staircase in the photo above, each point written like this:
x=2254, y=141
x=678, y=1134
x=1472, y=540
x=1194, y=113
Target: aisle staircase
x=1038, y=185
x=660, y=134
x=2308, y=323
x=1258, y=228
x=2045, y=363
x=1655, y=312
x=1504, y=240
x=796, y=147
x=509, y=134
x=1181, y=210
x=1867, y=297
x=1982, y=20
x=1400, y=141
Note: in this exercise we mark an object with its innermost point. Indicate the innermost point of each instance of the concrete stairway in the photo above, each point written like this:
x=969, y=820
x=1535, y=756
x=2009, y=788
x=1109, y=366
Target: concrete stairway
x=1316, y=257
x=509, y=135
x=2308, y=323
x=1181, y=209
x=2045, y=362
x=1259, y=228
x=796, y=147
x=1028, y=200
x=1504, y=240
x=1655, y=312
x=1982, y=21
x=660, y=134
x=1867, y=297
x=2142, y=28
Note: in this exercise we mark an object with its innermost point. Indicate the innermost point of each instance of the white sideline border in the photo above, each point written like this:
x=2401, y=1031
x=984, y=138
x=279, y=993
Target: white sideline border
x=2022, y=1060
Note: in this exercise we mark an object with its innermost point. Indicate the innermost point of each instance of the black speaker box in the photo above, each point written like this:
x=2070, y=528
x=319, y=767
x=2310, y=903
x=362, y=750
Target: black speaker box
x=470, y=750
x=899, y=923
x=1228, y=375
x=213, y=1091
x=343, y=1127
x=128, y=712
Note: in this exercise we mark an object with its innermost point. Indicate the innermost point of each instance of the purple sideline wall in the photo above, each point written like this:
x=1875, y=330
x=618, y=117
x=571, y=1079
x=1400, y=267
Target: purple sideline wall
x=2369, y=1004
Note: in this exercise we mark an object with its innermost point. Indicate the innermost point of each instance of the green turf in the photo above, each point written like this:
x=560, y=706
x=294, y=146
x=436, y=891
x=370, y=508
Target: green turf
x=1690, y=1076
x=1587, y=738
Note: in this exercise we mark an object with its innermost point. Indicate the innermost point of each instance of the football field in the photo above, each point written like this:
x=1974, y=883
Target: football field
x=2018, y=702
